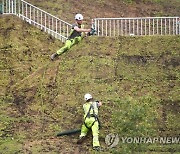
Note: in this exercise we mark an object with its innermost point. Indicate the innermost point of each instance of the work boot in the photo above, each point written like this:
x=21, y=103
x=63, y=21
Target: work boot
x=97, y=148
x=81, y=139
x=53, y=56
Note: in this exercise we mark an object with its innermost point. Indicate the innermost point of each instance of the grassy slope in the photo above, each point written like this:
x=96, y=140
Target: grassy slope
x=66, y=9
x=40, y=98
x=24, y=51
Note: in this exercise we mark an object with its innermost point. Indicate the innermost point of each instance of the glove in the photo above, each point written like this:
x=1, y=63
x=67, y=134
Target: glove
x=92, y=32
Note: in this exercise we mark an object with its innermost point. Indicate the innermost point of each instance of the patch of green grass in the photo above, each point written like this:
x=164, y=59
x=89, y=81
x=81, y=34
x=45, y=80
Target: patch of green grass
x=136, y=118
x=10, y=145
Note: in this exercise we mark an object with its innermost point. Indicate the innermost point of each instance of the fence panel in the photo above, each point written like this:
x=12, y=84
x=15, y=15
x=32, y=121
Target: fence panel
x=37, y=17
x=9, y=6
x=104, y=26
x=137, y=26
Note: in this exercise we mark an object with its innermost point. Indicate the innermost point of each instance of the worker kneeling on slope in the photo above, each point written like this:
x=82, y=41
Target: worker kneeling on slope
x=91, y=121
x=76, y=35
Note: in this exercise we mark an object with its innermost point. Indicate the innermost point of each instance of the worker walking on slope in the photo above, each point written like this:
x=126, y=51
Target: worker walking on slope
x=76, y=35
x=91, y=121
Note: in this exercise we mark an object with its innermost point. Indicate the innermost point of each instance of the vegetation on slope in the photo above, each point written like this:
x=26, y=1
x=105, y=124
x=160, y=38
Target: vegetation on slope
x=66, y=9
x=137, y=78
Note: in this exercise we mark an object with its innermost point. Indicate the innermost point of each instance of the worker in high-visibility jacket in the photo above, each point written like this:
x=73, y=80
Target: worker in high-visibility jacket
x=77, y=33
x=91, y=120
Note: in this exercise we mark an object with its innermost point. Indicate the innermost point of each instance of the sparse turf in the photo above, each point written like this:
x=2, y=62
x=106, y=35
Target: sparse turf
x=137, y=78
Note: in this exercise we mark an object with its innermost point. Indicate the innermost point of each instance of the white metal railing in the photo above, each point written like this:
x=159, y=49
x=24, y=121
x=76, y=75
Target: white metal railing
x=104, y=26
x=41, y=19
x=137, y=26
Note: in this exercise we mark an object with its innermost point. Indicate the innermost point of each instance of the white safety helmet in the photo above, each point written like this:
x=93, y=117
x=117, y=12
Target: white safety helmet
x=87, y=97
x=78, y=17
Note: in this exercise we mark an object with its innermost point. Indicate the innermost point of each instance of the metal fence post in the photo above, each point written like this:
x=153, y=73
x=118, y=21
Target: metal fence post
x=176, y=26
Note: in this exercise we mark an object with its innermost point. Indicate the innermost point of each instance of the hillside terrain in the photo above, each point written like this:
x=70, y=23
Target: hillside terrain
x=66, y=9
x=137, y=78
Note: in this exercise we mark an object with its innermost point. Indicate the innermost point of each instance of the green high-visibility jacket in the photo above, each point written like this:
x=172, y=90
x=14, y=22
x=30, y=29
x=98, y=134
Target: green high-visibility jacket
x=87, y=106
